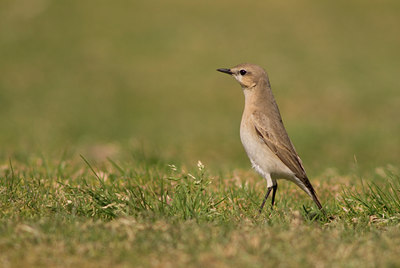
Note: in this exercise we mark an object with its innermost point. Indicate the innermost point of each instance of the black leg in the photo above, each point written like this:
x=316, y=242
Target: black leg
x=265, y=198
x=274, y=188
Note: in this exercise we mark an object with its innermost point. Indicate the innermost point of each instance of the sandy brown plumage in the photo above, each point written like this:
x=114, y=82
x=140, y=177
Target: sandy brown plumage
x=263, y=134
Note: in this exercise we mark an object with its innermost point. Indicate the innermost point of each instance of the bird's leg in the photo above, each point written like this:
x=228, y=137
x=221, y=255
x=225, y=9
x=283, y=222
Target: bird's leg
x=265, y=198
x=274, y=189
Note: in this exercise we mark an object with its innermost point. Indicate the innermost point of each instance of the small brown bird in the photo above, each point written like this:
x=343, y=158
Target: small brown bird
x=263, y=135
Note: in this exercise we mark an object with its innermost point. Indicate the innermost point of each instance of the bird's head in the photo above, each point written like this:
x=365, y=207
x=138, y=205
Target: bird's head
x=248, y=75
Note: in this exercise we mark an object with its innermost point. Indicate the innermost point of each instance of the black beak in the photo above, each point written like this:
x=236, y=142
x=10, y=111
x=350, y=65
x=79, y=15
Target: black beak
x=223, y=70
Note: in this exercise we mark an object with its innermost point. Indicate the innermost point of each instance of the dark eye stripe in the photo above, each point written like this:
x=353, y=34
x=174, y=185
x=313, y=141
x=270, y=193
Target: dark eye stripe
x=242, y=72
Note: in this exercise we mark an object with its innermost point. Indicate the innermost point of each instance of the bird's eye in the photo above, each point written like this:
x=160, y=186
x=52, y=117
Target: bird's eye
x=242, y=72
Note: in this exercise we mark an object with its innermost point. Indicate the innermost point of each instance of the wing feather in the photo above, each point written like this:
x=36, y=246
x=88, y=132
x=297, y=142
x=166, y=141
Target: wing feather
x=276, y=138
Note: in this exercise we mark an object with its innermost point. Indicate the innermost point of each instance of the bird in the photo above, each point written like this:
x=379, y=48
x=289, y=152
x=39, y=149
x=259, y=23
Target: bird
x=263, y=135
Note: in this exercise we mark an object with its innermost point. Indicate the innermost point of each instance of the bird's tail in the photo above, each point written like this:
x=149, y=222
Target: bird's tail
x=315, y=198
x=307, y=187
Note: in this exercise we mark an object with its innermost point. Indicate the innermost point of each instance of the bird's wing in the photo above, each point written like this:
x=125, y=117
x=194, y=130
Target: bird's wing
x=273, y=134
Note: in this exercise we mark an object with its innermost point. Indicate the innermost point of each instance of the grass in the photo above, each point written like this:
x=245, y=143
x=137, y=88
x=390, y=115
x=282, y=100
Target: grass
x=106, y=109
x=71, y=212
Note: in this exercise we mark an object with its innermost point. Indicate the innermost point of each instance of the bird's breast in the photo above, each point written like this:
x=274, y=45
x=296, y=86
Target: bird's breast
x=261, y=156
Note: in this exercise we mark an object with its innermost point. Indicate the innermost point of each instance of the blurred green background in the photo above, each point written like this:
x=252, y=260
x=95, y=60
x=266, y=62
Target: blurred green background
x=81, y=74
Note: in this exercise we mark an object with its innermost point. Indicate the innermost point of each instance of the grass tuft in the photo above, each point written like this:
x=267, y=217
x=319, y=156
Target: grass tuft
x=380, y=202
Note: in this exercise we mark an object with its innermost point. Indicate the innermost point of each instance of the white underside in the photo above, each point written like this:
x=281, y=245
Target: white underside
x=265, y=162
x=271, y=179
